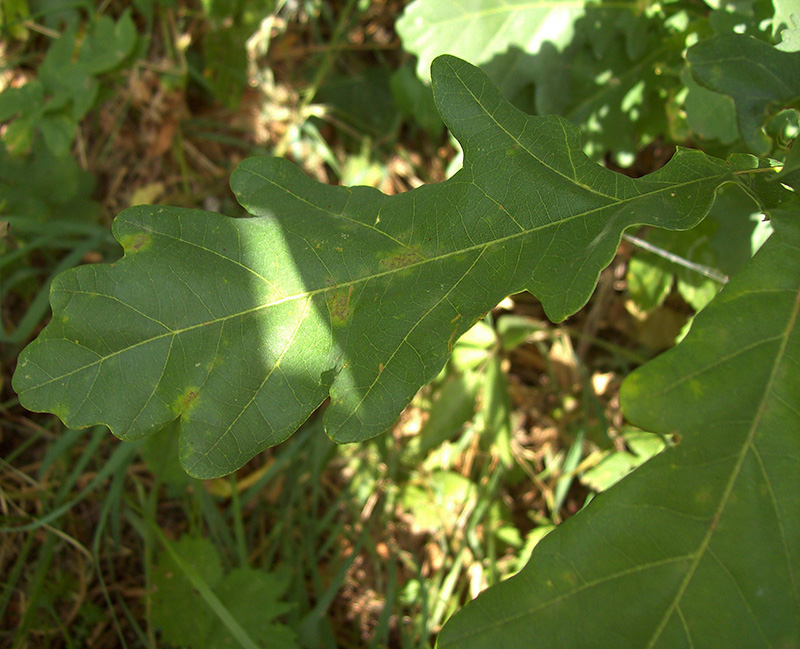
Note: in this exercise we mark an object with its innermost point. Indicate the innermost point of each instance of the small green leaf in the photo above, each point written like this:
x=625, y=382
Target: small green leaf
x=495, y=409
x=108, y=44
x=649, y=279
x=23, y=100
x=453, y=407
x=253, y=598
x=58, y=131
x=45, y=186
x=615, y=465
x=439, y=501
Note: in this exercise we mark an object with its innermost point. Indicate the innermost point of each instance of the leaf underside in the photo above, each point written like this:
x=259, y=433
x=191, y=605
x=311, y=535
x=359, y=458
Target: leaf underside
x=699, y=547
x=243, y=327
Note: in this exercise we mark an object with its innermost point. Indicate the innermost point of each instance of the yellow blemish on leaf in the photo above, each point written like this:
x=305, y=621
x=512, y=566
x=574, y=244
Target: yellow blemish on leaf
x=136, y=242
x=187, y=401
x=453, y=334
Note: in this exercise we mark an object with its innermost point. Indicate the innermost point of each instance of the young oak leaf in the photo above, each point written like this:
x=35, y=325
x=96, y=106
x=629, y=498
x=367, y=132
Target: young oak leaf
x=243, y=327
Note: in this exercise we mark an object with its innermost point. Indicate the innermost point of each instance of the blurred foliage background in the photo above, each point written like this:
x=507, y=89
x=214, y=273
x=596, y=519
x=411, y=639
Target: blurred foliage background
x=110, y=104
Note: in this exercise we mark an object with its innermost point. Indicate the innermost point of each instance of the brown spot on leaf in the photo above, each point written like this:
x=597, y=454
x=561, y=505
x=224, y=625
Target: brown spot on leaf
x=401, y=260
x=339, y=304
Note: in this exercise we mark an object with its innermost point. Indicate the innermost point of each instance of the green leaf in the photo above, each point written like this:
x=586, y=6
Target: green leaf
x=250, y=597
x=495, y=410
x=760, y=79
x=605, y=67
x=108, y=44
x=440, y=501
x=242, y=327
x=790, y=174
x=616, y=464
x=160, y=454
x=363, y=101
x=478, y=30
x=700, y=546
x=58, y=132
x=722, y=242
x=414, y=99
x=649, y=279
x=66, y=80
x=785, y=10
x=44, y=186
x=25, y=99
x=175, y=603
x=790, y=35
x=709, y=114
x=454, y=406
x=613, y=81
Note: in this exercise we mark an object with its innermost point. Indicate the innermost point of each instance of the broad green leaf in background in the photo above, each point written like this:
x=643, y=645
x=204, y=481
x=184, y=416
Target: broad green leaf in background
x=12, y=14
x=709, y=114
x=440, y=501
x=616, y=464
x=242, y=327
x=760, y=79
x=605, y=67
x=699, y=547
x=789, y=34
x=454, y=407
x=614, y=81
x=753, y=17
x=478, y=30
x=224, y=60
